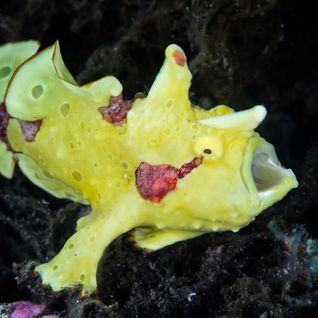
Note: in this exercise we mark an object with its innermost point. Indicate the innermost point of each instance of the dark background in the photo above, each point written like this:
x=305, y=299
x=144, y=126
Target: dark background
x=241, y=53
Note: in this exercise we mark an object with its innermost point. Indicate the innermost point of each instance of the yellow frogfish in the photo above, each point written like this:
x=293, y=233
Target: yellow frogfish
x=158, y=166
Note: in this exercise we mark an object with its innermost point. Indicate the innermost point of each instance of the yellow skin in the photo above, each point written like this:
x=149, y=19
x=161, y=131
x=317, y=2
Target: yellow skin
x=80, y=156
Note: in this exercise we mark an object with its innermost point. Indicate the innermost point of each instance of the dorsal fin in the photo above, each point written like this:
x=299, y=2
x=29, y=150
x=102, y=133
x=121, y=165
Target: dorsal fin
x=173, y=80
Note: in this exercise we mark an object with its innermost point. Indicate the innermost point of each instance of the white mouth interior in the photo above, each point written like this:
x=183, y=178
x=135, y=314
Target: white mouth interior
x=267, y=172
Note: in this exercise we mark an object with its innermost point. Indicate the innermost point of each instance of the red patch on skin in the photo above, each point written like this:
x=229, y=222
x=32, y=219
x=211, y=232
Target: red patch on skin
x=154, y=182
x=4, y=121
x=189, y=166
x=30, y=129
x=180, y=58
x=117, y=110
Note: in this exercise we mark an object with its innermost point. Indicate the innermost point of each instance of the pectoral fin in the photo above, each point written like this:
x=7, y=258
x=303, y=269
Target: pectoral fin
x=77, y=262
x=153, y=239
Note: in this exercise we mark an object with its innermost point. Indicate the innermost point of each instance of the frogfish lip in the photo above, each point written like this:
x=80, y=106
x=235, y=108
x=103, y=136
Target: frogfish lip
x=265, y=178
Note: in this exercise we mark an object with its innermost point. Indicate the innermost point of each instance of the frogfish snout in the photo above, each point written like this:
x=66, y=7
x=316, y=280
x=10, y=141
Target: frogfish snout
x=267, y=180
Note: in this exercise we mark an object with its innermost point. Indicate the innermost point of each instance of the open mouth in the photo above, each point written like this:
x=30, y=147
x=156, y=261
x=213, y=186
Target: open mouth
x=266, y=180
x=267, y=172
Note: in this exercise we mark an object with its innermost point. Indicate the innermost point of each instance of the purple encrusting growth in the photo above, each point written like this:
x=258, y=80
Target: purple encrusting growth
x=117, y=110
x=4, y=120
x=30, y=129
x=24, y=309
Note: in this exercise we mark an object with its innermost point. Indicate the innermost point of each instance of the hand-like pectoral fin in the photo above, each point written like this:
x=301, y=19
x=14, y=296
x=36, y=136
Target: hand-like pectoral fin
x=76, y=264
x=152, y=239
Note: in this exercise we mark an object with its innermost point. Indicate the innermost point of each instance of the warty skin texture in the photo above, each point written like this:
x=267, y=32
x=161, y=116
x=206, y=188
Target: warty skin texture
x=78, y=155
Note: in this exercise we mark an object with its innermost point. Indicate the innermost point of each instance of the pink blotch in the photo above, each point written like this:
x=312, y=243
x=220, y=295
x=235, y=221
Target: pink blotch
x=4, y=120
x=154, y=182
x=180, y=58
x=117, y=110
x=189, y=166
x=30, y=129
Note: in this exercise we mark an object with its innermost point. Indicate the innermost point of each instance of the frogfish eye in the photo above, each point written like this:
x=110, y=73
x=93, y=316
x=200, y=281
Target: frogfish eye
x=210, y=148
